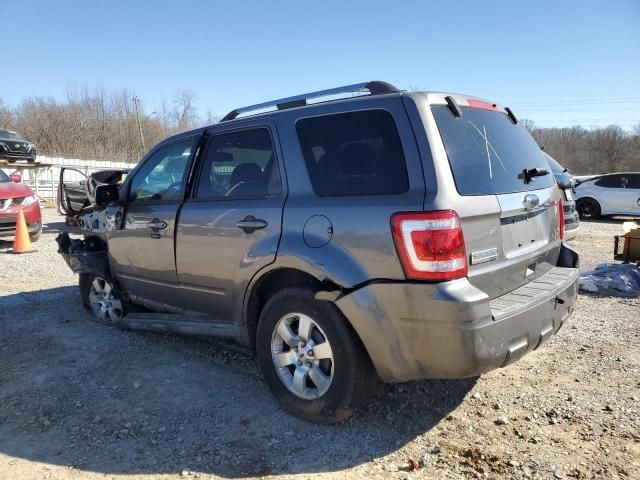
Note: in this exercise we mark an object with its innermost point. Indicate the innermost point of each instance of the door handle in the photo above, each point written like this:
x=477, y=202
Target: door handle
x=250, y=224
x=157, y=224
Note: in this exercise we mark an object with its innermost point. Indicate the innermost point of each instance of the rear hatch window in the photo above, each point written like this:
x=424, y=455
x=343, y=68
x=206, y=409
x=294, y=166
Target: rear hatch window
x=488, y=153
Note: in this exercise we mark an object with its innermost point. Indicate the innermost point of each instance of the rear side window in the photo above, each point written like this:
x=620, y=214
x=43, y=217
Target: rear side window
x=488, y=153
x=355, y=153
x=618, y=181
x=240, y=164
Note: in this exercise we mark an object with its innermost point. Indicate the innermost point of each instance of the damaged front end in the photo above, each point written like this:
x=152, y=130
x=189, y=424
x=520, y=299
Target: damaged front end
x=88, y=255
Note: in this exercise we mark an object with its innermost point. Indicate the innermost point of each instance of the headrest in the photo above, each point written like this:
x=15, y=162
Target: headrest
x=245, y=172
x=222, y=157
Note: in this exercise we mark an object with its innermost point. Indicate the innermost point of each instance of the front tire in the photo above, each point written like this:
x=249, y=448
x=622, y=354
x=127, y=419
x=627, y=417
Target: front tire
x=588, y=209
x=311, y=359
x=102, y=299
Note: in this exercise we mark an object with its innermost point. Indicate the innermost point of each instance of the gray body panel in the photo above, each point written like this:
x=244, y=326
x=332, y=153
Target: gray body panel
x=204, y=265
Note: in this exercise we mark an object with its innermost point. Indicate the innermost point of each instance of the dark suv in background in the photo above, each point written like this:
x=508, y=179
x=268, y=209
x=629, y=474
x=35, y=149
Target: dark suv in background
x=14, y=147
x=395, y=236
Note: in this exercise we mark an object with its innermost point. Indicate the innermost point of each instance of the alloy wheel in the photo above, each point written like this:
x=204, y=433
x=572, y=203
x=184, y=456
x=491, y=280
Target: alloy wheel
x=103, y=302
x=302, y=356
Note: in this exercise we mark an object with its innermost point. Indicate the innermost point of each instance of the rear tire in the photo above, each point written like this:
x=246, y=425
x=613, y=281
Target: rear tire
x=588, y=209
x=324, y=372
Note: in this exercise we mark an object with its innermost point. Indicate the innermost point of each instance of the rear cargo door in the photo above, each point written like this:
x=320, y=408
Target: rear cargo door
x=508, y=205
x=71, y=191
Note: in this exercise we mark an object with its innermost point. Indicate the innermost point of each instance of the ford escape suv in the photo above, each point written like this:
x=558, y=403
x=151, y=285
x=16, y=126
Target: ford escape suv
x=348, y=235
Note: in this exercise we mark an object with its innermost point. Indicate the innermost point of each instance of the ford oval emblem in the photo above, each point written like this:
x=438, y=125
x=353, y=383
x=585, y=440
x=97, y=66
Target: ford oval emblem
x=531, y=201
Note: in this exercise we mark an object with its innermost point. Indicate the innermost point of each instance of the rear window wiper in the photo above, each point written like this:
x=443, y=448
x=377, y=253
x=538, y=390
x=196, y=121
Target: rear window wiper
x=528, y=174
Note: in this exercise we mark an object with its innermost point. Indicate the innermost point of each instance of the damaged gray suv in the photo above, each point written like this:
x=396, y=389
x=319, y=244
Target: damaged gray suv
x=346, y=236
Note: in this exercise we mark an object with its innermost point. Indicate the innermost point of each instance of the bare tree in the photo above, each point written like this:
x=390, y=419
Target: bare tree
x=99, y=123
x=6, y=116
x=528, y=124
x=184, y=102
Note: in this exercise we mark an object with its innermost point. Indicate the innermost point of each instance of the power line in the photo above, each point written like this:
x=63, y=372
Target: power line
x=601, y=101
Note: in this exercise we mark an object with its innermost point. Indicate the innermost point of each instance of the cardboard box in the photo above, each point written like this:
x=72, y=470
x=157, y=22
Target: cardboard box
x=632, y=244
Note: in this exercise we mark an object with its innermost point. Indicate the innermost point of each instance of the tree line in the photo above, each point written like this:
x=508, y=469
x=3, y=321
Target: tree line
x=115, y=125
x=590, y=151
x=99, y=124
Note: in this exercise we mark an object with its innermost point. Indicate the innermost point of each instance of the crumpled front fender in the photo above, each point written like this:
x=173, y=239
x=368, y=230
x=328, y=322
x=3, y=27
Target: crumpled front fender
x=84, y=256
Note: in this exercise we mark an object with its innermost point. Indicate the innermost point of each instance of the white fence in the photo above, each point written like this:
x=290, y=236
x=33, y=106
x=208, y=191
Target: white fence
x=44, y=178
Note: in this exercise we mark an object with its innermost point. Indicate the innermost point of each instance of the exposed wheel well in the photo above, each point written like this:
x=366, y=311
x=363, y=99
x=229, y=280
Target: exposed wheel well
x=274, y=281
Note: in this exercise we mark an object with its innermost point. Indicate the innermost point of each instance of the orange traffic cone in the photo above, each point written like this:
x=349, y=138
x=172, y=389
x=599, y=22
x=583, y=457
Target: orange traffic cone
x=22, y=242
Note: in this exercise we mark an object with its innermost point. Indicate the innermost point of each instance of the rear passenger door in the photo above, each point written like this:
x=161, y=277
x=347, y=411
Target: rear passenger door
x=230, y=226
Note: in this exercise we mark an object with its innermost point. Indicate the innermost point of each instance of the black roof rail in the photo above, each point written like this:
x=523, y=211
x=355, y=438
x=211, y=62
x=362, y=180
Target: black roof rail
x=374, y=88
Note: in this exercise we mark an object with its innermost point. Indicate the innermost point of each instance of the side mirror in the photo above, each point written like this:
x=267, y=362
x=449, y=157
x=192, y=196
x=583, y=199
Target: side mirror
x=106, y=194
x=15, y=177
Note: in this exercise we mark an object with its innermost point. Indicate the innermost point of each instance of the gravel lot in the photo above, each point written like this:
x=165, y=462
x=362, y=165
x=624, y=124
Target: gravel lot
x=80, y=400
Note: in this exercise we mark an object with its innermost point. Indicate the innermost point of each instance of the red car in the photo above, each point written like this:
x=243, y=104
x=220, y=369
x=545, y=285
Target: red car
x=14, y=196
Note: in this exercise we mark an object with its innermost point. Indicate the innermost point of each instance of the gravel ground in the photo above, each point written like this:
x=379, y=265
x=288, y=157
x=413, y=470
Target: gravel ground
x=80, y=400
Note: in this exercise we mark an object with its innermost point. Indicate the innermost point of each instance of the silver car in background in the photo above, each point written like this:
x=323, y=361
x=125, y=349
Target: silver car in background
x=610, y=194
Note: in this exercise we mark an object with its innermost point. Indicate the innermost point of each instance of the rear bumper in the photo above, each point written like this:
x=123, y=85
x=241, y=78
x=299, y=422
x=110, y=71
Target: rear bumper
x=452, y=329
x=571, y=231
x=571, y=224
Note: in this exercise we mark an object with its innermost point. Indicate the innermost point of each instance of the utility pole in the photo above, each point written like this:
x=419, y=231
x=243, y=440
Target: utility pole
x=136, y=102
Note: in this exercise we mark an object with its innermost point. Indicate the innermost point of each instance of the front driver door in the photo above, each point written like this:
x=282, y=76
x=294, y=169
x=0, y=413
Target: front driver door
x=71, y=195
x=141, y=251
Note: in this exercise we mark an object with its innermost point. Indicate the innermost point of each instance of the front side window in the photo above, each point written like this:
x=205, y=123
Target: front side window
x=162, y=177
x=240, y=164
x=354, y=153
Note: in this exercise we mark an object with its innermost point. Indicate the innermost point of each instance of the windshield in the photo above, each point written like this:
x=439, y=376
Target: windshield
x=4, y=177
x=9, y=135
x=488, y=153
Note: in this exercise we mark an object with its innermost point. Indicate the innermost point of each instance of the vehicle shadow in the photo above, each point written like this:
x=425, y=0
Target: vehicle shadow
x=59, y=227
x=609, y=220
x=78, y=393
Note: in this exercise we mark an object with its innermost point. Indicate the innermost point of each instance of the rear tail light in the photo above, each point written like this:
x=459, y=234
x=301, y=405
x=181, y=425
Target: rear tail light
x=430, y=245
x=560, y=219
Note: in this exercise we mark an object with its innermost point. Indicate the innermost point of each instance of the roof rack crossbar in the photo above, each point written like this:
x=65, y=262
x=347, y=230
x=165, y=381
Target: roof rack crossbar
x=374, y=88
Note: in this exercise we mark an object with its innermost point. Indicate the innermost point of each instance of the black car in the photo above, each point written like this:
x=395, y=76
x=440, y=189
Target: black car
x=566, y=182
x=13, y=147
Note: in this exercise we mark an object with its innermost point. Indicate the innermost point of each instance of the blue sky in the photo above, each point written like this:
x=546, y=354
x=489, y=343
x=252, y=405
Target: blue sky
x=557, y=62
